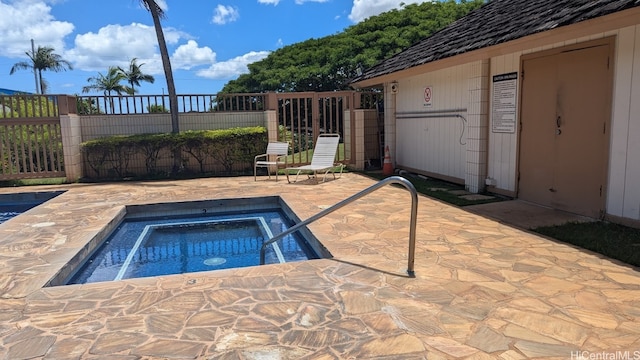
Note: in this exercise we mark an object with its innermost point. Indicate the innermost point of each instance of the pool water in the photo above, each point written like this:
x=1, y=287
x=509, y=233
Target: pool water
x=12, y=205
x=10, y=211
x=144, y=247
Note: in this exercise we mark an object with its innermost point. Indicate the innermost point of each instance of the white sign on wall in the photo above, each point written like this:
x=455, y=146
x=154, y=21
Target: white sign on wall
x=503, y=117
x=428, y=96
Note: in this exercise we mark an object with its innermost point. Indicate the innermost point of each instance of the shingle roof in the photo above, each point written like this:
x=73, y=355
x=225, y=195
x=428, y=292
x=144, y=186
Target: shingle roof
x=496, y=22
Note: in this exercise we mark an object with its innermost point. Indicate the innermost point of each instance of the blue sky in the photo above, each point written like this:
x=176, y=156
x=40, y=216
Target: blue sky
x=209, y=42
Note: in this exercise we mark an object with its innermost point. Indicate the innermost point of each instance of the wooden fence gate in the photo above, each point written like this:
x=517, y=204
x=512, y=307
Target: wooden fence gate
x=305, y=115
x=30, y=138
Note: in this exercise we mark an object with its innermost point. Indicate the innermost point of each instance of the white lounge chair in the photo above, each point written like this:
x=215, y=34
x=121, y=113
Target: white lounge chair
x=275, y=157
x=324, y=155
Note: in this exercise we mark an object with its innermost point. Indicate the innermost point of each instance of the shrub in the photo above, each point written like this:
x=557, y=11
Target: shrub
x=155, y=109
x=110, y=157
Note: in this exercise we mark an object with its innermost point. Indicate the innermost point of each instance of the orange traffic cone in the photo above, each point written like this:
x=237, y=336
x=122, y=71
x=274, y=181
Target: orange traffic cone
x=387, y=168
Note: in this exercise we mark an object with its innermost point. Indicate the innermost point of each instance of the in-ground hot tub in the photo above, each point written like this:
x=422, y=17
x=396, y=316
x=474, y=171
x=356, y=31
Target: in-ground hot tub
x=175, y=238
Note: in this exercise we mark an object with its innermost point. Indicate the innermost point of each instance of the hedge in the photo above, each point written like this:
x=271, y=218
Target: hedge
x=216, y=152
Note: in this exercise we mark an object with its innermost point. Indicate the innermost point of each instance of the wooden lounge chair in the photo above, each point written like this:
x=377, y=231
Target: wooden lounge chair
x=322, y=161
x=275, y=157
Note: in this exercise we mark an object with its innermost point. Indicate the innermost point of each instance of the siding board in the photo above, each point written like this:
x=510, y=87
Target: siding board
x=621, y=107
x=631, y=207
x=432, y=144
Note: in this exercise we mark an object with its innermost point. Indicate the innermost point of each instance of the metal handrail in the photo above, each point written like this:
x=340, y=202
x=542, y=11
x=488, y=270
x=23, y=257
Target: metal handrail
x=390, y=180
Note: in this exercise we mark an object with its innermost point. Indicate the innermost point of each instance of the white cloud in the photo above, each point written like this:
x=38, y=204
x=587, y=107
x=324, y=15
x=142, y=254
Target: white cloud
x=225, y=14
x=116, y=45
x=363, y=9
x=113, y=45
x=229, y=69
x=190, y=55
x=22, y=21
x=163, y=5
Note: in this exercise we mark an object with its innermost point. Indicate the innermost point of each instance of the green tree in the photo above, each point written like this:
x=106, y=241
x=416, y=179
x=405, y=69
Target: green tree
x=42, y=59
x=87, y=106
x=328, y=63
x=134, y=75
x=108, y=83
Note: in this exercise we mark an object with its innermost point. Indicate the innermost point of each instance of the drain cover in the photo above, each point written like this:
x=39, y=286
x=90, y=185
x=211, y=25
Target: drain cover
x=215, y=261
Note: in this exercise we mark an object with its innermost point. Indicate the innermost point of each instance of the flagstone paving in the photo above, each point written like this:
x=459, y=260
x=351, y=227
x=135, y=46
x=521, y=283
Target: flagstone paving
x=483, y=289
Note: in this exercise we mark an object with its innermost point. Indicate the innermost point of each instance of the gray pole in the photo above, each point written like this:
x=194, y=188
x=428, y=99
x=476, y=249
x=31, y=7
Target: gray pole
x=35, y=73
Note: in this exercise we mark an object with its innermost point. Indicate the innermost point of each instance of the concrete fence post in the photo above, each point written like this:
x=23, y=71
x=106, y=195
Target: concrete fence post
x=271, y=123
x=71, y=138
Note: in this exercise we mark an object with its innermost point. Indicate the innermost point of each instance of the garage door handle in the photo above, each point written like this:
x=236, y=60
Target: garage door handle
x=558, y=121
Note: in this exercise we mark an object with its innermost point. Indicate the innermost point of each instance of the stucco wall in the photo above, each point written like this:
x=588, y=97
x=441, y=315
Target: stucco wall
x=96, y=126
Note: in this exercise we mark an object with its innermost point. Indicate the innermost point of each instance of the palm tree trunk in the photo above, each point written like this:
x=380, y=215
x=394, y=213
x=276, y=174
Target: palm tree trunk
x=166, y=64
x=173, y=98
x=41, y=83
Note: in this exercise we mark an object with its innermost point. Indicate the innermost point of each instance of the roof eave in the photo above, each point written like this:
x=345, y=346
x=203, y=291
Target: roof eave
x=579, y=30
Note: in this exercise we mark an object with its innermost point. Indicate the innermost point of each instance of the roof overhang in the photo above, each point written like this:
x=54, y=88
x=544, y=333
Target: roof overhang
x=583, y=29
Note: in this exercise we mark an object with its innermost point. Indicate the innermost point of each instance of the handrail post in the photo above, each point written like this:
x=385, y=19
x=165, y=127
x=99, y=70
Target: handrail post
x=390, y=180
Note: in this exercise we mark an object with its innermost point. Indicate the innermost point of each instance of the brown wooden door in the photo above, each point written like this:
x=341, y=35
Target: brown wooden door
x=564, y=138
x=537, y=148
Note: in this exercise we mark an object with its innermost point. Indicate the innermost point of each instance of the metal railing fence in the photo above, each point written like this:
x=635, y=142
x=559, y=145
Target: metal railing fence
x=149, y=104
x=31, y=136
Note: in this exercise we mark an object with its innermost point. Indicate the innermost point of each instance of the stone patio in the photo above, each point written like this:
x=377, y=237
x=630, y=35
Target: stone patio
x=483, y=289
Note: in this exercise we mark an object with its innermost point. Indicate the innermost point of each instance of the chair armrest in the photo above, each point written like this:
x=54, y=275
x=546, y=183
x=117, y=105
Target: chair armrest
x=285, y=157
x=259, y=156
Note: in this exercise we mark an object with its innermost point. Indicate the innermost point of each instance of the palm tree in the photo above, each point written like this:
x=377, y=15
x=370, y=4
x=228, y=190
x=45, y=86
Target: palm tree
x=41, y=60
x=134, y=75
x=108, y=83
x=157, y=13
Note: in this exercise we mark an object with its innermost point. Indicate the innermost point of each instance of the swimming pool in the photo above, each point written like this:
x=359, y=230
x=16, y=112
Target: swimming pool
x=12, y=205
x=210, y=236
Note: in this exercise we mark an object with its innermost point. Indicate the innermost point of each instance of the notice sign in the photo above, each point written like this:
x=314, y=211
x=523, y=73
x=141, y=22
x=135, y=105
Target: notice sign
x=428, y=95
x=503, y=117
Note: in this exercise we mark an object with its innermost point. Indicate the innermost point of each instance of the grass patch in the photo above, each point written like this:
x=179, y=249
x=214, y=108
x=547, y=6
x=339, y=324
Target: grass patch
x=615, y=241
x=438, y=189
x=30, y=182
